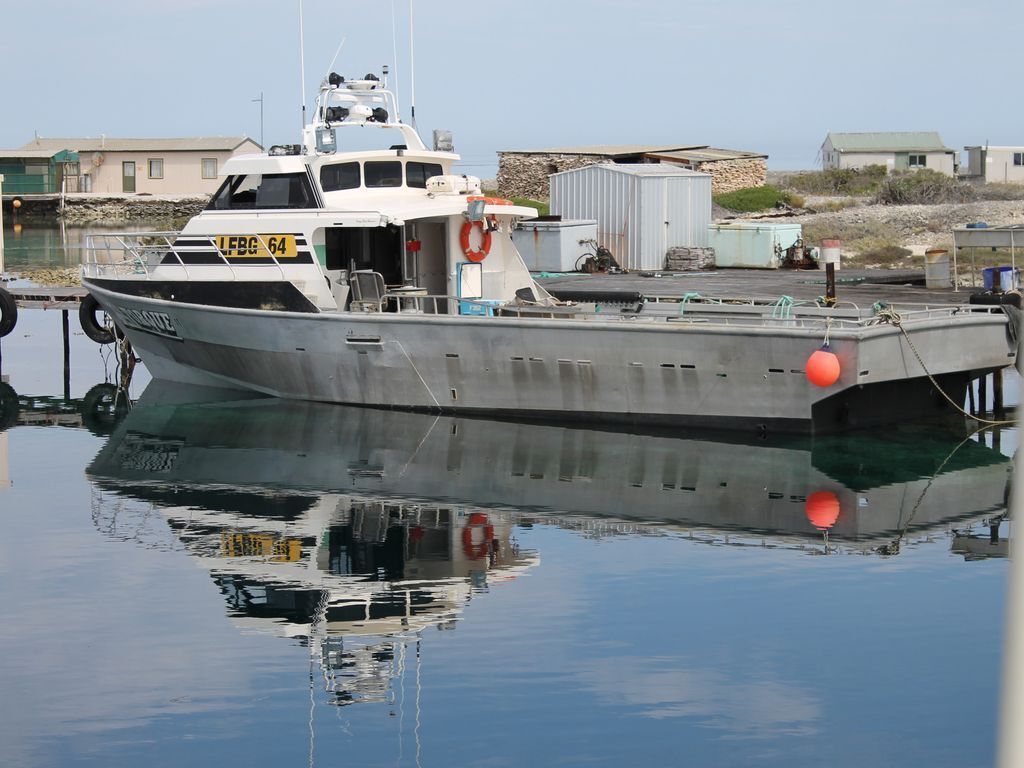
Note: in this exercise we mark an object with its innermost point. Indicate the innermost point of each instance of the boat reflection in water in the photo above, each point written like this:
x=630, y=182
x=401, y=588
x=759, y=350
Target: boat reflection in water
x=358, y=528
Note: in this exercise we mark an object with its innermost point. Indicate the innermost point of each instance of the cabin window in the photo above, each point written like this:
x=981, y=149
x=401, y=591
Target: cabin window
x=383, y=174
x=416, y=174
x=918, y=161
x=253, y=191
x=156, y=168
x=1018, y=158
x=340, y=176
x=209, y=167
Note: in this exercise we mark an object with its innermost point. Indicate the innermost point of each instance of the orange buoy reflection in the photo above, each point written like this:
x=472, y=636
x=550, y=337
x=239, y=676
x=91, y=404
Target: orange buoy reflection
x=822, y=509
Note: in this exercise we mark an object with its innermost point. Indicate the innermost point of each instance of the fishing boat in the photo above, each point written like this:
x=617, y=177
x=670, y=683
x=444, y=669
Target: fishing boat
x=329, y=272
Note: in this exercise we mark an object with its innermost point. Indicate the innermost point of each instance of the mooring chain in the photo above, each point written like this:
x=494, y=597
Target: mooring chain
x=890, y=315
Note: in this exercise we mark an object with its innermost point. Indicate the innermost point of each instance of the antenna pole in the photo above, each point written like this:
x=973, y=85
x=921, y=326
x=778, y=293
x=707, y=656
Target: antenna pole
x=412, y=71
x=302, y=68
x=394, y=46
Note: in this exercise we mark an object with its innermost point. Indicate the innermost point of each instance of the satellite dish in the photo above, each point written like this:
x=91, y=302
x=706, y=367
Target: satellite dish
x=97, y=159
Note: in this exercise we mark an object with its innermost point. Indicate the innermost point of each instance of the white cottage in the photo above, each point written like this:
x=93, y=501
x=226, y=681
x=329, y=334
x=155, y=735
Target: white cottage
x=897, y=151
x=641, y=210
x=186, y=166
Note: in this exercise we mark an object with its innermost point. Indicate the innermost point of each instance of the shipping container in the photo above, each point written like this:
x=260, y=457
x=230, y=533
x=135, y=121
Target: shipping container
x=641, y=210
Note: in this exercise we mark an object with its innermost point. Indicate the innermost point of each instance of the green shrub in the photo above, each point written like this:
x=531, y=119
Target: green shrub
x=839, y=181
x=542, y=206
x=923, y=187
x=757, y=199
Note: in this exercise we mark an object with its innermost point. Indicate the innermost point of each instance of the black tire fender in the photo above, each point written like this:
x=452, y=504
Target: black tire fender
x=89, y=320
x=9, y=406
x=8, y=313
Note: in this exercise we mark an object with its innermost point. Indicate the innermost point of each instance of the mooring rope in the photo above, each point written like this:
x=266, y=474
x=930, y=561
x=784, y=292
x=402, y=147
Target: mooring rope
x=783, y=308
x=887, y=314
x=686, y=300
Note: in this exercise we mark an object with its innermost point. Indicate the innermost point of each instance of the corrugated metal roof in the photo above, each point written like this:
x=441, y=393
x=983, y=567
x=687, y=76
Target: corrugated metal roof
x=892, y=141
x=706, y=155
x=637, y=169
x=610, y=150
x=196, y=144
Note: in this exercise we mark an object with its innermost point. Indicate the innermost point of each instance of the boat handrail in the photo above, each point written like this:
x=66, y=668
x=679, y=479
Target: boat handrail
x=412, y=301
x=142, y=252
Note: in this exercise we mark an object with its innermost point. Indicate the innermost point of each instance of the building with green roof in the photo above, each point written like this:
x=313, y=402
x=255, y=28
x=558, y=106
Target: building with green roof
x=896, y=150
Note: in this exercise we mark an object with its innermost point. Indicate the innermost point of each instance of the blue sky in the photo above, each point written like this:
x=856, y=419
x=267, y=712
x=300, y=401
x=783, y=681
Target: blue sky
x=770, y=77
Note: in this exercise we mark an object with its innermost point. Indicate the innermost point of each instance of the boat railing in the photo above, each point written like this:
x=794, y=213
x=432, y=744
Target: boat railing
x=728, y=312
x=136, y=255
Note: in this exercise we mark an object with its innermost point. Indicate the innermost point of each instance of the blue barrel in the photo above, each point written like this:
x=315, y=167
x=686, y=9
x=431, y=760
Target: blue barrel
x=1008, y=278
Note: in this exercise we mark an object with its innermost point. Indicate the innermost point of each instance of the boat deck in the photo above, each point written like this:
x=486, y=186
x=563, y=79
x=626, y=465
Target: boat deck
x=861, y=286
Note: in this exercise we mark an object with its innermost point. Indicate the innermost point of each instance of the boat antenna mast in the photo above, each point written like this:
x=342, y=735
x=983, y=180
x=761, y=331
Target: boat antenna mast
x=412, y=72
x=302, y=68
x=394, y=49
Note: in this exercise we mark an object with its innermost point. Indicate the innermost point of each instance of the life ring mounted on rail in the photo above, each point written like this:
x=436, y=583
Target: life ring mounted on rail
x=477, y=551
x=476, y=255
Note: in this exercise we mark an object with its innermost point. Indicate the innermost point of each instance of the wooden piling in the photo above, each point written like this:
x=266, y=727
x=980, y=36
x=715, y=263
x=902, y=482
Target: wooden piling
x=997, y=393
x=67, y=353
x=983, y=394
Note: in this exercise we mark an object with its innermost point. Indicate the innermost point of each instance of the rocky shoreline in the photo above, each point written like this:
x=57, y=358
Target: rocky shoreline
x=87, y=210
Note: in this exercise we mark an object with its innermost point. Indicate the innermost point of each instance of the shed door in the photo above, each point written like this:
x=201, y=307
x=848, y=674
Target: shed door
x=128, y=176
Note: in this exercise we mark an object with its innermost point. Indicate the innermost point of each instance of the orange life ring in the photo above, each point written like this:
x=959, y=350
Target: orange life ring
x=476, y=256
x=491, y=200
x=477, y=551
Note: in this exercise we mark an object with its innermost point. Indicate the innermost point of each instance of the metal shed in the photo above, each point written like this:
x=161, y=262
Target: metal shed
x=641, y=210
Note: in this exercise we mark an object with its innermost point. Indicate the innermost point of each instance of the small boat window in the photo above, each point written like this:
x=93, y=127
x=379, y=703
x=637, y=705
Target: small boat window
x=340, y=176
x=383, y=173
x=416, y=174
x=254, y=190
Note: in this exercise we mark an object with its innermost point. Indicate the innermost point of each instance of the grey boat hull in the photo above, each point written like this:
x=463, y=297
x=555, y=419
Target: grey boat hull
x=713, y=374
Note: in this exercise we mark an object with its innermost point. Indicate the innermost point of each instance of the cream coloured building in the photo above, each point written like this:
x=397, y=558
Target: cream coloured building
x=180, y=167
x=998, y=164
x=896, y=150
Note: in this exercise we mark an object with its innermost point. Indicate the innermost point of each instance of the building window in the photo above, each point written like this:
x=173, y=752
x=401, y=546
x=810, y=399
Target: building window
x=1018, y=158
x=209, y=167
x=918, y=161
x=156, y=168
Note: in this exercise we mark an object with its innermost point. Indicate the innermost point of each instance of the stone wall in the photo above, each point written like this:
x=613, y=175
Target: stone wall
x=82, y=209
x=527, y=175
x=730, y=175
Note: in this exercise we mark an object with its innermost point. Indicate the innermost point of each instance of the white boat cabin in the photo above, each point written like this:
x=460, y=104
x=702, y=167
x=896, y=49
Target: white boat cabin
x=357, y=229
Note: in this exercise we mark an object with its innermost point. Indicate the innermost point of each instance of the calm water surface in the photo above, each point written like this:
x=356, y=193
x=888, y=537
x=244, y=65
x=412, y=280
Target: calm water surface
x=211, y=581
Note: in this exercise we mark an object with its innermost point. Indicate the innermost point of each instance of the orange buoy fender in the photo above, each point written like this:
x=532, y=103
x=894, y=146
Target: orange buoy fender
x=822, y=509
x=476, y=551
x=473, y=254
x=823, y=367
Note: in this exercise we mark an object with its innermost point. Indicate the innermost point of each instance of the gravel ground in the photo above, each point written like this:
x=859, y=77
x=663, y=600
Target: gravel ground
x=916, y=225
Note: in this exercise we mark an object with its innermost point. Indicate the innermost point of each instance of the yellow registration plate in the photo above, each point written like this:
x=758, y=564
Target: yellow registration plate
x=257, y=246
